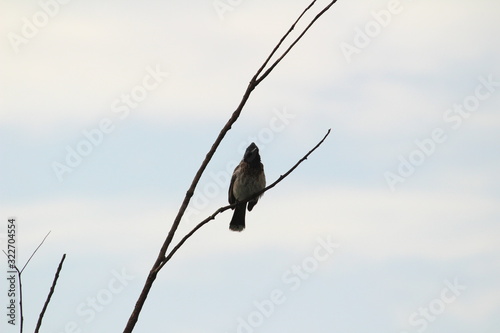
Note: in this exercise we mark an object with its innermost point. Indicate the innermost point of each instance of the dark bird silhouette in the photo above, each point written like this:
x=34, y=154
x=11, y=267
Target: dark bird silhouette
x=248, y=179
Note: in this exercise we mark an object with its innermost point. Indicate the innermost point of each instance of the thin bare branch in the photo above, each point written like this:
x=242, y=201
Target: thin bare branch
x=270, y=69
x=21, y=322
x=47, y=301
x=19, y=273
x=282, y=40
x=43, y=240
x=222, y=209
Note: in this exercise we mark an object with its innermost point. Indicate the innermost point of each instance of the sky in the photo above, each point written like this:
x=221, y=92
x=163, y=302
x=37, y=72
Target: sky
x=108, y=109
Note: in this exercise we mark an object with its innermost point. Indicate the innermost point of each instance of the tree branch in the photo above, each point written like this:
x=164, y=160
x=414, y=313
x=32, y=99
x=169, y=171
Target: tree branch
x=282, y=40
x=41, y=243
x=21, y=322
x=222, y=209
x=19, y=273
x=254, y=82
x=270, y=69
x=52, y=288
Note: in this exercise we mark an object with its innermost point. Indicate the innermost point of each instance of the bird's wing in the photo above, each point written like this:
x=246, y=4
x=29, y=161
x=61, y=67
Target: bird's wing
x=230, y=195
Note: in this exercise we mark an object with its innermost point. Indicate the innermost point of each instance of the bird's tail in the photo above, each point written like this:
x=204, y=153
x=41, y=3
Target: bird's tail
x=238, y=220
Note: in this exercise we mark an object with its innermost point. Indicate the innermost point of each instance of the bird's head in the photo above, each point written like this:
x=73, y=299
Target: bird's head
x=252, y=154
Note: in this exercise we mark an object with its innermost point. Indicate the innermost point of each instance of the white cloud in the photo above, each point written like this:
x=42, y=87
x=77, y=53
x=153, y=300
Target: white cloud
x=377, y=223
x=369, y=222
x=478, y=306
x=71, y=71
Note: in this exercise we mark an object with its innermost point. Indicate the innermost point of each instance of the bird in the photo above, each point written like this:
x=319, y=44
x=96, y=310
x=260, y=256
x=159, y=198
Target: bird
x=248, y=178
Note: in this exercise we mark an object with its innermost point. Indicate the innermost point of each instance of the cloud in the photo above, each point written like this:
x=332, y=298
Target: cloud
x=373, y=223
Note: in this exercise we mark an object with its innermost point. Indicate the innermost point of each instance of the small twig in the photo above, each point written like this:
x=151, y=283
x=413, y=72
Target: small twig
x=282, y=40
x=19, y=273
x=270, y=69
x=52, y=288
x=27, y=262
x=222, y=209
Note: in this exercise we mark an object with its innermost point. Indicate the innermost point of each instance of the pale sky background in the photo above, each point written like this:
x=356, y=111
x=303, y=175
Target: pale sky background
x=399, y=251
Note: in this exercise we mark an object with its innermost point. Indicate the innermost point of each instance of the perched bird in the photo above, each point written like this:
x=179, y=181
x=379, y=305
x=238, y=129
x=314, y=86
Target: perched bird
x=248, y=178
